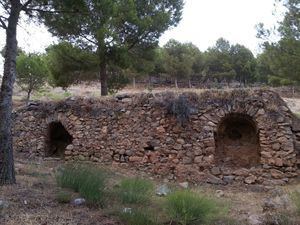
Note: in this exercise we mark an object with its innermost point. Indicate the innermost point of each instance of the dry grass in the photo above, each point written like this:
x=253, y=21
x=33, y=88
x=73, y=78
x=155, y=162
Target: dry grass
x=294, y=105
x=33, y=200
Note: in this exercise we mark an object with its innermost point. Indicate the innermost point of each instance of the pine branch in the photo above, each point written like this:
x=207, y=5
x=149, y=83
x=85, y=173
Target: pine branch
x=2, y=23
x=88, y=39
x=24, y=6
x=56, y=11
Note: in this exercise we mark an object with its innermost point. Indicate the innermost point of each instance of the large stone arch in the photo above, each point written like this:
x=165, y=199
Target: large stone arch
x=237, y=141
x=57, y=136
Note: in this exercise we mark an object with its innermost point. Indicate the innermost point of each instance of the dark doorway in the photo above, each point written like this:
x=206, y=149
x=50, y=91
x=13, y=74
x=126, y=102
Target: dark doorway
x=237, y=142
x=58, y=139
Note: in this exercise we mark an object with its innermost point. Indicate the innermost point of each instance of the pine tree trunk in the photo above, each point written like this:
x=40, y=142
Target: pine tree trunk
x=7, y=171
x=28, y=96
x=293, y=91
x=133, y=82
x=149, y=81
x=190, y=83
x=176, y=83
x=103, y=79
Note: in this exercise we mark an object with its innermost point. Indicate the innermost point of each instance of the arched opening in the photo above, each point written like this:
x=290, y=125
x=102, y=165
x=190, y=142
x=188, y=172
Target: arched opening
x=57, y=140
x=237, y=142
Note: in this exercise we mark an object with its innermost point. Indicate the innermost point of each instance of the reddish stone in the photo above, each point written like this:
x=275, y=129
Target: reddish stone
x=250, y=180
x=278, y=162
x=277, y=174
x=135, y=159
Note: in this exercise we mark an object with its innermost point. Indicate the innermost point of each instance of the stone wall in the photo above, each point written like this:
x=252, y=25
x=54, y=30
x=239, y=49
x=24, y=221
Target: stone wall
x=215, y=137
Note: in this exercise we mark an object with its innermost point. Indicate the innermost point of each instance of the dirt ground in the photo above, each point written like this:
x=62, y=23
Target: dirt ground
x=33, y=200
x=294, y=104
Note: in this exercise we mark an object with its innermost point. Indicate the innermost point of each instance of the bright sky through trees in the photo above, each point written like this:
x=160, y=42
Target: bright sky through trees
x=204, y=21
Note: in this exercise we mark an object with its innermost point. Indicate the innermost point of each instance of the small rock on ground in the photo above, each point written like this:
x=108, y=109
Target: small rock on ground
x=127, y=210
x=254, y=220
x=78, y=201
x=219, y=193
x=163, y=190
x=3, y=204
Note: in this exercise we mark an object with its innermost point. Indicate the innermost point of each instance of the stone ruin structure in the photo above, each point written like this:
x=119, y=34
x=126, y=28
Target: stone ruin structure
x=216, y=136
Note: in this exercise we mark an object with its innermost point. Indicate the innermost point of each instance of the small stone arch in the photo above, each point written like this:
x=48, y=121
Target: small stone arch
x=237, y=141
x=57, y=139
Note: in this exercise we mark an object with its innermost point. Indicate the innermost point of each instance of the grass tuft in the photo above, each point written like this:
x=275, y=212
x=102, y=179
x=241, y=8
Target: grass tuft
x=138, y=218
x=85, y=179
x=135, y=190
x=188, y=208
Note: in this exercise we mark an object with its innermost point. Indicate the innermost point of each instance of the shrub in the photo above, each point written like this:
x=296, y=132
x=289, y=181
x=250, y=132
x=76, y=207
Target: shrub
x=135, y=190
x=180, y=108
x=187, y=208
x=86, y=180
x=92, y=189
x=137, y=218
x=63, y=197
x=71, y=176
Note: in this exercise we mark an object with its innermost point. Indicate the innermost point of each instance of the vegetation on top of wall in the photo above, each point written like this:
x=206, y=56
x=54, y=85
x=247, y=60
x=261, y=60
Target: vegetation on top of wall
x=50, y=95
x=180, y=108
x=180, y=105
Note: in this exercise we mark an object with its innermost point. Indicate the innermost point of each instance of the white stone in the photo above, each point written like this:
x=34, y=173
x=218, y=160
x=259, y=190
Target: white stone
x=184, y=185
x=78, y=201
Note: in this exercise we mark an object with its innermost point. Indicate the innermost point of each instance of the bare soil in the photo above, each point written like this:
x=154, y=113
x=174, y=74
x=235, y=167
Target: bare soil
x=33, y=199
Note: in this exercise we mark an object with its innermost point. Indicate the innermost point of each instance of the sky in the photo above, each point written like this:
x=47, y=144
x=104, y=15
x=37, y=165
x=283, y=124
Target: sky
x=203, y=22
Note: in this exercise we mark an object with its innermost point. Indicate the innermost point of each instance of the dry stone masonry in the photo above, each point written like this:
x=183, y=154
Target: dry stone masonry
x=216, y=136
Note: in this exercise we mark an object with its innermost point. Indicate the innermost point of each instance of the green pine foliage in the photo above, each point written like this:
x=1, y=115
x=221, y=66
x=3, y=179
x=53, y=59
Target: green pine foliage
x=111, y=29
x=32, y=72
x=281, y=58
